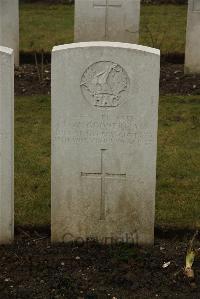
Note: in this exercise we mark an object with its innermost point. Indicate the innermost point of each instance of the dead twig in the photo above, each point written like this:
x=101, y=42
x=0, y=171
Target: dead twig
x=37, y=67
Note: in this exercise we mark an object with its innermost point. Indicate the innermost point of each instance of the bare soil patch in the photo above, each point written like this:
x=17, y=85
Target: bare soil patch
x=29, y=80
x=34, y=268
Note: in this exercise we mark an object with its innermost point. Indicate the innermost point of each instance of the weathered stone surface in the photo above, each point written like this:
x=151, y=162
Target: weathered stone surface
x=104, y=141
x=9, y=26
x=6, y=145
x=107, y=20
x=192, y=52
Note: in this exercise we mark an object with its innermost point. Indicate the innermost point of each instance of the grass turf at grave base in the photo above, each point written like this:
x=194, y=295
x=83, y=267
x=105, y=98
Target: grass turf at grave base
x=43, y=26
x=178, y=174
x=32, y=160
x=178, y=166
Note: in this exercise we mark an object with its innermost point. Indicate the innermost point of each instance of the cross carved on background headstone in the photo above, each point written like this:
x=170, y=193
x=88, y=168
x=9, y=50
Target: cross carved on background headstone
x=107, y=4
x=196, y=6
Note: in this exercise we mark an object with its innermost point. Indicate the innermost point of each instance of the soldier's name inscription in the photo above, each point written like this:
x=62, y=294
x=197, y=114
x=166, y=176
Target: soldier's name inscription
x=123, y=129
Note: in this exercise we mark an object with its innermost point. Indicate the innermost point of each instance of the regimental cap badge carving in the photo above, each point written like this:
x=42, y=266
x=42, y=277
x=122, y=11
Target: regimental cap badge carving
x=105, y=84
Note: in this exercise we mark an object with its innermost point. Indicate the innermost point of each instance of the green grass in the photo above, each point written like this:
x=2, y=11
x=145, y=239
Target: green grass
x=44, y=26
x=32, y=160
x=164, y=27
x=178, y=167
x=178, y=170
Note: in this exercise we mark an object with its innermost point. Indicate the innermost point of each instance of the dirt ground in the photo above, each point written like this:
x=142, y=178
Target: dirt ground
x=34, y=268
x=31, y=80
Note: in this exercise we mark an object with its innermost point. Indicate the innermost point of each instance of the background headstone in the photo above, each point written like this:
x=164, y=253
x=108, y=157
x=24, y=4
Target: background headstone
x=6, y=145
x=104, y=141
x=107, y=20
x=9, y=26
x=192, y=52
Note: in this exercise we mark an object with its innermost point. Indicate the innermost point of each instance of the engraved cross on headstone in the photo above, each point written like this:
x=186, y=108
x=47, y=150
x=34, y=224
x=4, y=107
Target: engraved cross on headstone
x=196, y=6
x=107, y=4
x=103, y=175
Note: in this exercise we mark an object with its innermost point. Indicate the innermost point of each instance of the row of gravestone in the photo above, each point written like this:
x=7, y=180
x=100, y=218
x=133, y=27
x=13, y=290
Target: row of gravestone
x=111, y=20
x=104, y=141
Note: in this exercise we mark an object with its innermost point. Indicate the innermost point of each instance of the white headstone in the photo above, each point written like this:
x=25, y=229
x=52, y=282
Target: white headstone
x=104, y=141
x=192, y=52
x=9, y=26
x=107, y=20
x=6, y=145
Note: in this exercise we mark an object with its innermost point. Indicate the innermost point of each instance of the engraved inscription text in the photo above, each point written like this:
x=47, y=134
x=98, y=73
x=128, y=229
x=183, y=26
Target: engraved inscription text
x=123, y=130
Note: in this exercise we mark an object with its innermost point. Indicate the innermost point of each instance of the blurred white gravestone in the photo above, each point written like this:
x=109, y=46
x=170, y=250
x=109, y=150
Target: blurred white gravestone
x=6, y=145
x=192, y=52
x=9, y=26
x=107, y=20
x=104, y=141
